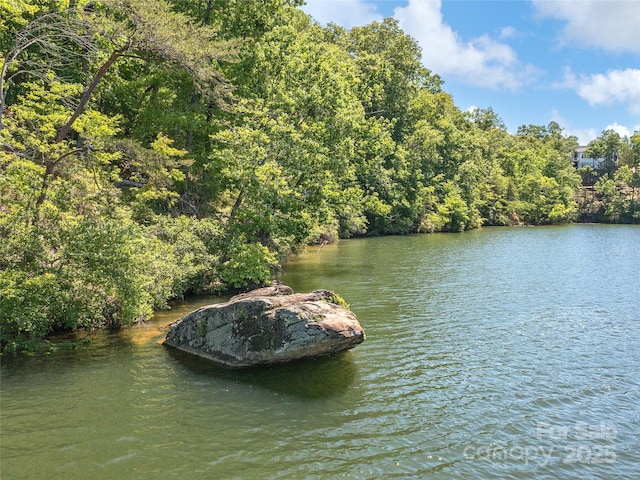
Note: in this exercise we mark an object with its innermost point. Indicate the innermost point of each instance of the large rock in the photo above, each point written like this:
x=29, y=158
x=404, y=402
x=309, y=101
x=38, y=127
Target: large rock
x=268, y=325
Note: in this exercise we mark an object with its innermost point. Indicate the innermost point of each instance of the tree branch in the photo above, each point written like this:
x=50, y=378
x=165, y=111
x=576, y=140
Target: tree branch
x=66, y=128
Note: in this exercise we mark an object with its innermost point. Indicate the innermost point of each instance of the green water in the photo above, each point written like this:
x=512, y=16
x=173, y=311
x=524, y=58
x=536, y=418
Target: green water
x=501, y=353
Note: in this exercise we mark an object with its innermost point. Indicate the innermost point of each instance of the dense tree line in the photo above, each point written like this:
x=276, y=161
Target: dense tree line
x=151, y=150
x=616, y=184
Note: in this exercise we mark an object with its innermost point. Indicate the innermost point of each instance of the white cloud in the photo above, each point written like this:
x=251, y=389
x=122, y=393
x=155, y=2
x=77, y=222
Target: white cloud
x=622, y=130
x=611, y=25
x=480, y=62
x=508, y=32
x=585, y=135
x=346, y=13
x=611, y=88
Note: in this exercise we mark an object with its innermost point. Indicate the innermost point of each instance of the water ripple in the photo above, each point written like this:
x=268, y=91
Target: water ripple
x=508, y=353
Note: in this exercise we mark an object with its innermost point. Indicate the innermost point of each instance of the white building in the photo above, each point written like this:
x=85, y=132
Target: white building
x=580, y=159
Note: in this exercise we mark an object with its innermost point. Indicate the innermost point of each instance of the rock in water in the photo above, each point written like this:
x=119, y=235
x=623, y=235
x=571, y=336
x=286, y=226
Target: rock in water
x=267, y=325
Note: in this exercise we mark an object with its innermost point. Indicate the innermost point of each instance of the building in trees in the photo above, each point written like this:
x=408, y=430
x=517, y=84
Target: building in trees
x=581, y=158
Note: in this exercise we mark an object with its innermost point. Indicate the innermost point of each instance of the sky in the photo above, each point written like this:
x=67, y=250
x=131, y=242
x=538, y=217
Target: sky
x=575, y=62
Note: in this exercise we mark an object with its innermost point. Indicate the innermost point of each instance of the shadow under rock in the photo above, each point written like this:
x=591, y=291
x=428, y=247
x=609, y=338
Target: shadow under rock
x=320, y=377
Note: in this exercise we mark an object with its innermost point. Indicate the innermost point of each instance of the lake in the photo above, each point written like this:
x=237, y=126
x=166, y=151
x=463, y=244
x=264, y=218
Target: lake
x=497, y=353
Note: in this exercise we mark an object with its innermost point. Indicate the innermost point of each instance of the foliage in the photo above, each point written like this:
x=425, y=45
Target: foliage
x=248, y=264
x=616, y=183
x=619, y=196
x=607, y=146
x=338, y=300
x=152, y=150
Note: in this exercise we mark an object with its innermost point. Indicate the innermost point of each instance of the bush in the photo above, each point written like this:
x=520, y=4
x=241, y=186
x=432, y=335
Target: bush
x=191, y=244
x=249, y=264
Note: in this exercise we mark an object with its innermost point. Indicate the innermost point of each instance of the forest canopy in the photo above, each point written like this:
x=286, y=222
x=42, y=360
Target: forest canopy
x=152, y=150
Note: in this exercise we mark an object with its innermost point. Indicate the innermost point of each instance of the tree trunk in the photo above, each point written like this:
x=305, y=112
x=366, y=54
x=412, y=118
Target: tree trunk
x=207, y=13
x=66, y=128
x=236, y=206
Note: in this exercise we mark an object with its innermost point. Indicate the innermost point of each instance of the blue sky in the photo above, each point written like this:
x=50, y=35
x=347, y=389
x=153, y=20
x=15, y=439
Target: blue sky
x=576, y=62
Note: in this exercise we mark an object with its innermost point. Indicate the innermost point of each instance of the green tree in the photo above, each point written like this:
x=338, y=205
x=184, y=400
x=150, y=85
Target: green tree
x=281, y=159
x=72, y=252
x=485, y=119
x=391, y=71
x=607, y=146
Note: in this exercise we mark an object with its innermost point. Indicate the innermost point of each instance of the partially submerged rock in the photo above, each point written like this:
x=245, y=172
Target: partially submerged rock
x=267, y=325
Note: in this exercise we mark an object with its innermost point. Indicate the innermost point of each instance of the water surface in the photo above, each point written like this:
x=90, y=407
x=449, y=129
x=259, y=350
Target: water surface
x=500, y=353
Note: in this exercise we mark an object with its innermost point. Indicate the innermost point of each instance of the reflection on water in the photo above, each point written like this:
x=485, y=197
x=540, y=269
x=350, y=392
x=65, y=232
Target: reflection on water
x=311, y=378
x=501, y=353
